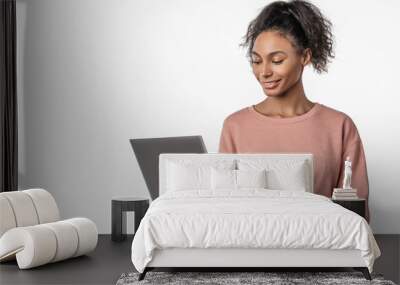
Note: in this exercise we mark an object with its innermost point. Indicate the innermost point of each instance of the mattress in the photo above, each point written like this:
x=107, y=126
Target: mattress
x=250, y=219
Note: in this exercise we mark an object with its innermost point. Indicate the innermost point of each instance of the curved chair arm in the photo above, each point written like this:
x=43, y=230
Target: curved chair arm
x=51, y=242
x=32, y=245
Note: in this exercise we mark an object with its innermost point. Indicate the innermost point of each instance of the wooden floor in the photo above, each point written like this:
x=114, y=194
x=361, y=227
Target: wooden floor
x=111, y=259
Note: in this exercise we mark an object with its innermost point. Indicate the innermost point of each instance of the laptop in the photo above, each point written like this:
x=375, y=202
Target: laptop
x=147, y=151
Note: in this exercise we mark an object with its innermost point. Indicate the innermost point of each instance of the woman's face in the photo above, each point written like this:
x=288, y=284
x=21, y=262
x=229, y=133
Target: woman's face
x=275, y=59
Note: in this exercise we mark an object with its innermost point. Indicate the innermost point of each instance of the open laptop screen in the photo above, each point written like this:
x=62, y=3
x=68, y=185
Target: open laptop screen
x=147, y=151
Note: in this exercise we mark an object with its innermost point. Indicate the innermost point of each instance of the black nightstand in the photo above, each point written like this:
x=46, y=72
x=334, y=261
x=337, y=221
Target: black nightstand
x=357, y=206
x=119, y=207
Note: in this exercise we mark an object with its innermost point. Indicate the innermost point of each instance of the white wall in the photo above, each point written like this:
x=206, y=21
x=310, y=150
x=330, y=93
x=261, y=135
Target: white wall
x=95, y=73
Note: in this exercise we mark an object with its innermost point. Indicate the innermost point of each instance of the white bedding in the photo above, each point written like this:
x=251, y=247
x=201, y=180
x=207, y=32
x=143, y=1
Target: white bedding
x=250, y=218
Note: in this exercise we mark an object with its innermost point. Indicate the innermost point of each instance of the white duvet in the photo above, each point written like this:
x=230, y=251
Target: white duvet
x=250, y=218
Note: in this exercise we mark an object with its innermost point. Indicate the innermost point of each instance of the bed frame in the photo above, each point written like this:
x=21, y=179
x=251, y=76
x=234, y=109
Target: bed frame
x=239, y=259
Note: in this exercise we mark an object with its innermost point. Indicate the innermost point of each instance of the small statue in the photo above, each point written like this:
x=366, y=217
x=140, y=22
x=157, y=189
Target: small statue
x=347, y=174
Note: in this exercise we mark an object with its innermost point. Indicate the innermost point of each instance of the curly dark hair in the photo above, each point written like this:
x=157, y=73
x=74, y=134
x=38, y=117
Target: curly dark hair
x=299, y=21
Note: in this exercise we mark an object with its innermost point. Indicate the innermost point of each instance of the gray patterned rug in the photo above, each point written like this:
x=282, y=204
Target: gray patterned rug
x=225, y=278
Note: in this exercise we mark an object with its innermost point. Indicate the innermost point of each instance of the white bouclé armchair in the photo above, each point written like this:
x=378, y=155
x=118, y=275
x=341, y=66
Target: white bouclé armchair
x=32, y=233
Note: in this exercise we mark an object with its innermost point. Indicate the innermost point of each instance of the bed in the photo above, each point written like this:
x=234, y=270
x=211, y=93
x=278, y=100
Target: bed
x=247, y=210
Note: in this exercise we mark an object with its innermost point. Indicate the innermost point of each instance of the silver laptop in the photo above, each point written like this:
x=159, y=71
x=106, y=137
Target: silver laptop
x=147, y=151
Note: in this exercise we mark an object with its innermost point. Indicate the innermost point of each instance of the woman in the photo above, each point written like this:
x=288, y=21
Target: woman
x=282, y=40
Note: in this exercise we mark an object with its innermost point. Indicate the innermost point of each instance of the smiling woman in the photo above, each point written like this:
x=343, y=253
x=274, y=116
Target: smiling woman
x=282, y=40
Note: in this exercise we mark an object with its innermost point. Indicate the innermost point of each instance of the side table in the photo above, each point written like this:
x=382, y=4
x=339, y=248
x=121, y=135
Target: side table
x=357, y=205
x=119, y=207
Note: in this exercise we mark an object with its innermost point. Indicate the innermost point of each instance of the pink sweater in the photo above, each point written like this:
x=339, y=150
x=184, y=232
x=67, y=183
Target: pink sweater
x=328, y=134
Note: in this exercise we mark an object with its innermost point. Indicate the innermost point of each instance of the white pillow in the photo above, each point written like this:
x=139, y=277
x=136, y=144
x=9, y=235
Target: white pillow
x=186, y=174
x=288, y=179
x=237, y=179
x=251, y=178
x=223, y=178
x=281, y=174
x=185, y=177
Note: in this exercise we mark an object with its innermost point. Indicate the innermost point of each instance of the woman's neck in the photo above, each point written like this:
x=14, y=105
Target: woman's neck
x=292, y=103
